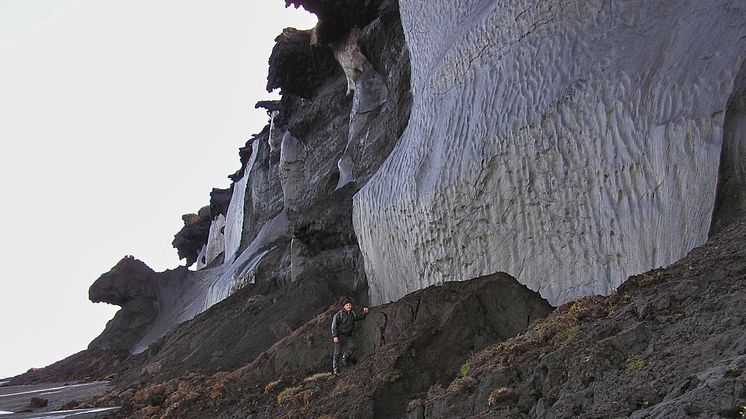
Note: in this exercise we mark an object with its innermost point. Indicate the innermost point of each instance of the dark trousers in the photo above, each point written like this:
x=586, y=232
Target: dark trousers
x=344, y=347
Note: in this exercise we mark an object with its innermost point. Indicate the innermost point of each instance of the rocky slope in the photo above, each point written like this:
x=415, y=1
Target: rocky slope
x=403, y=348
x=668, y=343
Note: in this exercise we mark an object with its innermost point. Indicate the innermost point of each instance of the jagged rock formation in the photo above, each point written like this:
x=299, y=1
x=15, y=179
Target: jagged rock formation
x=152, y=302
x=563, y=142
x=219, y=200
x=191, y=239
x=296, y=67
x=130, y=284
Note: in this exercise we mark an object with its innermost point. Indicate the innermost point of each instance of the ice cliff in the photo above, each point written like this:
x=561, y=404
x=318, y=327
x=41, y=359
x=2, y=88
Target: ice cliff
x=568, y=143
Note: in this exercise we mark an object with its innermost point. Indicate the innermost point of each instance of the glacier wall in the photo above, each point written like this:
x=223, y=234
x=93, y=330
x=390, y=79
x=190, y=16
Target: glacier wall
x=567, y=143
x=234, y=219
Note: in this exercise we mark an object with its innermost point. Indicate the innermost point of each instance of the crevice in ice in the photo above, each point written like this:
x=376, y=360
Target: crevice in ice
x=730, y=202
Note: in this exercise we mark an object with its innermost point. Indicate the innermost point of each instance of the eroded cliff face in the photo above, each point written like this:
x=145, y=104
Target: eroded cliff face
x=568, y=143
x=292, y=204
x=287, y=217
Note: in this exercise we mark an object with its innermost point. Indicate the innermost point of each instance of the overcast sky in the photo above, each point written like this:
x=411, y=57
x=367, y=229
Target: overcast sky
x=116, y=117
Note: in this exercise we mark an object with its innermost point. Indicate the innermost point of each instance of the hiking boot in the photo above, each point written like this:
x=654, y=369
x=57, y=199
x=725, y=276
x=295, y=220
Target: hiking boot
x=336, y=371
x=343, y=361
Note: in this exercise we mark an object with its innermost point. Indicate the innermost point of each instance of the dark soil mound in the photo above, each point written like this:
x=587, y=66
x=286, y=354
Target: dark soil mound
x=230, y=334
x=88, y=365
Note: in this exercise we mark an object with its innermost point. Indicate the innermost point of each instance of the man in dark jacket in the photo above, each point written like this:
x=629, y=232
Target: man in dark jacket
x=343, y=324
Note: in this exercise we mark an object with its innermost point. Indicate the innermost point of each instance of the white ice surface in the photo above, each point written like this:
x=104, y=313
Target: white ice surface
x=216, y=239
x=235, y=216
x=568, y=143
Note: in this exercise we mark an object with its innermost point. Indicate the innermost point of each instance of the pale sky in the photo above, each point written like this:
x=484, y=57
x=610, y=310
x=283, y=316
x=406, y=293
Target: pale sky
x=116, y=117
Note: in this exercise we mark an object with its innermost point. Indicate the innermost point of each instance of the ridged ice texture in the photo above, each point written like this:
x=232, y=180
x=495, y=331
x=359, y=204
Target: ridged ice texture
x=567, y=143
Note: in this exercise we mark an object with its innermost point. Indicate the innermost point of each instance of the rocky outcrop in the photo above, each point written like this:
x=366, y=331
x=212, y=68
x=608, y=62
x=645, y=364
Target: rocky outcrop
x=549, y=141
x=342, y=15
x=219, y=200
x=191, y=239
x=152, y=302
x=132, y=285
x=296, y=67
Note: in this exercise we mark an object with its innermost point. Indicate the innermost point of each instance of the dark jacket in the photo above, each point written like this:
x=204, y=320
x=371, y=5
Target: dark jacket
x=343, y=323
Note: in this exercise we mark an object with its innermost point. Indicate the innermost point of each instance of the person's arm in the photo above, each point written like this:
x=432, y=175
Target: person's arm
x=361, y=317
x=334, y=325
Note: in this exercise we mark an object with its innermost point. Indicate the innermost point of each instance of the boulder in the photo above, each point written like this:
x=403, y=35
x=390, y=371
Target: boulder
x=37, y=402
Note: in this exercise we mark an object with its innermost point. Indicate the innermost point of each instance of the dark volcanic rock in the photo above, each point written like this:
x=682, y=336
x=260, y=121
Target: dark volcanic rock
x=38, y=402
x=193, y=236
x=129, y=280
x=244, y=153
x=423, y=339
x=296, y=67
x=219, y=200
x=132, y=285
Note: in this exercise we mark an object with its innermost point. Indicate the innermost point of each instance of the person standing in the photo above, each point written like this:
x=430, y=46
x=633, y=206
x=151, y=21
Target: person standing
x=343, y=326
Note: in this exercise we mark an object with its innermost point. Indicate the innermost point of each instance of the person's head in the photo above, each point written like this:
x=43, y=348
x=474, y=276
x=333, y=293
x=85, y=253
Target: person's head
x=348, y=306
